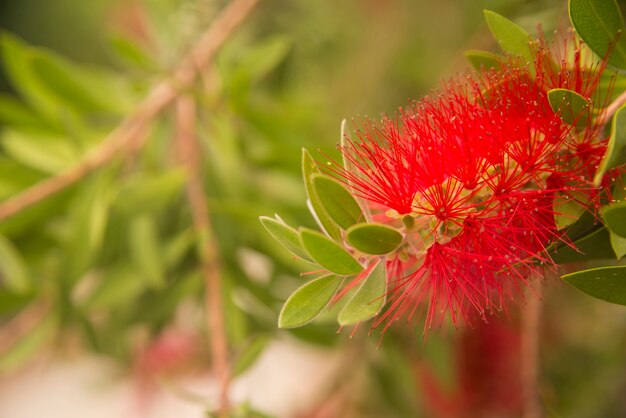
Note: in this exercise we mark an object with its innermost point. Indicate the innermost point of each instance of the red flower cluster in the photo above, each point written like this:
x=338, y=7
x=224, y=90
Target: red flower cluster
x=473, y=172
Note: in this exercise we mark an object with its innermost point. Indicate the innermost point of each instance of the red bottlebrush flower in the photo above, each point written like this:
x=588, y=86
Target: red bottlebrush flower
x=473, y=171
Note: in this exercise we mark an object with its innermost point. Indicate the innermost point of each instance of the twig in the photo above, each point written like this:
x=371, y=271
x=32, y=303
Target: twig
x=189, y=151
x=531, y=315
x=132, y=131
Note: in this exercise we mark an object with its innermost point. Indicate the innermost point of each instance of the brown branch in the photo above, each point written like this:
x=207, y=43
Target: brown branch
x=189, y=153
x=529, y=367
x=132, y=131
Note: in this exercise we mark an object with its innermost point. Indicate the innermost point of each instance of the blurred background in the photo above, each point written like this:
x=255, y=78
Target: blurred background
x=102, y=291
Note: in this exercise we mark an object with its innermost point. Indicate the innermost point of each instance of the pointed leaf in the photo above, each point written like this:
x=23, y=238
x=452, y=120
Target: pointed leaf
x=338, y=202
x=568, y=208
x=317, y=210
x=41, y=151
x=511, y=37
x=484, y=60
x=368, y=300
x=306, y=303
x=570, y=106
x=615, y=217
x=598, y=23
x=250, y=354
x=14, y=272
x=146, y=252
x=372, y=238
x=285, y=235
x=619, y=245
x=30, y=344
x=615, y=154
x=328, y=253
x=606, y=283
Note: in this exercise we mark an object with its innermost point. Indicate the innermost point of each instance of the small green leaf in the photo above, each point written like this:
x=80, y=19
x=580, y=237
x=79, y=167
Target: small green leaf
x=16, y=114
x=145, y=251
x=29, y=345
x=568, y=208
x=132, y=54
x=317, y=210
x=86, y=225
x=16, y=56
x=250, y=354
x=606, y=283
x=41, y=151
x=615, y=217
x=570, y=106
x=372, y=238
x=619, y=245
x=511, y=37
x=306, y=303
x=119, y=287
x=150, y=192
x=328, y=253
x=484, y=60
x=615, y=154
x=368, y=300
x=285, y=235
x=14, y=274
x=338, y=202
x=598, y=23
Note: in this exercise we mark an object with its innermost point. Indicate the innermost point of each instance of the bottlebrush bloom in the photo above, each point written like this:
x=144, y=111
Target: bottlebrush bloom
x=473, y=171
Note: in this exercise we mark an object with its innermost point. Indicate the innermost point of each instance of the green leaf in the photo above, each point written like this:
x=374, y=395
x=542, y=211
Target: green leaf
x=368, y=300
x=86, y=225
x=132, y=54
x=615, y=154
x=511, y=37
x=13, y=269
x=11, y=303
x=84, y=90
x=145, y=251
x=598, y=23
x=317, y=210
x=15, y=114
x=595, y=246
x=150, y=192
x=570, y=106
x=373, y=238
x=250, y=354
x=328, y=253
x=619, y=245
x=484, y=60
x=614, y=216
x=29, y=345
x=306, y=303
x=16, y=57
x=119, y=286
x=41, y=151
x=568, y=208
x=285, y=235
x=264, y=57
x=606, y=283
x=338, y=202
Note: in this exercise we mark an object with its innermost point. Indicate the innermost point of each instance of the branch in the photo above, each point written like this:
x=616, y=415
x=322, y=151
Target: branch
x=132, y=131
x=189, y=152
